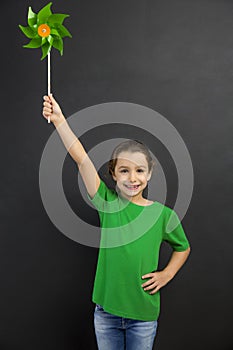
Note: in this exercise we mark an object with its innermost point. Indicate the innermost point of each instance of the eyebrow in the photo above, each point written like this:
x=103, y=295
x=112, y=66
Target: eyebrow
x=139, y=166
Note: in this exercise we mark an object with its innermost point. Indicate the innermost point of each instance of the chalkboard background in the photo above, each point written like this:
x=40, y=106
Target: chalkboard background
x=175, y=57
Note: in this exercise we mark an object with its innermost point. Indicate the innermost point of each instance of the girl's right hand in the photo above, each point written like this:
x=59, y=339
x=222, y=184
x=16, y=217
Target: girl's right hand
x=52, y=109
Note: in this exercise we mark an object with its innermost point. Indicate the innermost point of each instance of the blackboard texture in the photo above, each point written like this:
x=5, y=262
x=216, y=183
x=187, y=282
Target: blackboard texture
x=175, y=57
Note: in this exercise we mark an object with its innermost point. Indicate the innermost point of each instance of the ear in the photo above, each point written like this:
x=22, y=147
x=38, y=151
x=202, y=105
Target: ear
x=114, y=177
x=149, y=176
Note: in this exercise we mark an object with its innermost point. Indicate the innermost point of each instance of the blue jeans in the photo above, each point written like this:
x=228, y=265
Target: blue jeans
x=118, y=333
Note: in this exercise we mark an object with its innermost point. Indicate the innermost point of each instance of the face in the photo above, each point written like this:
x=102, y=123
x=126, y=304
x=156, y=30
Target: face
x=131, y=174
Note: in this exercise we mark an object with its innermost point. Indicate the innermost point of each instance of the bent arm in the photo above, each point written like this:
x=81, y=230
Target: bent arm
x=176, y=261
x=159, y=279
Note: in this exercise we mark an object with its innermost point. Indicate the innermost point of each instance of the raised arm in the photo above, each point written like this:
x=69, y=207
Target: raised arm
x=73, y=145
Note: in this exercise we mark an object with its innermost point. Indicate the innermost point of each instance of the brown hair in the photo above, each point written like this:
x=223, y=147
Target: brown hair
x=130, y=146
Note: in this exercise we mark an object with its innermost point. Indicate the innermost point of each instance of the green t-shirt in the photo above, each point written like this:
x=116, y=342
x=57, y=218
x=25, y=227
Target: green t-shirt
x=131, y=236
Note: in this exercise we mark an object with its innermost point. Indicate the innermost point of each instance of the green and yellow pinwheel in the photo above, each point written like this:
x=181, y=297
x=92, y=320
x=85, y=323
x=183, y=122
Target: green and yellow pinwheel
x=46, y=30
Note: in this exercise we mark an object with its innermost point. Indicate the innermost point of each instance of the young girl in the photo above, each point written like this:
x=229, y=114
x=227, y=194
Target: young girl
x=127, y=283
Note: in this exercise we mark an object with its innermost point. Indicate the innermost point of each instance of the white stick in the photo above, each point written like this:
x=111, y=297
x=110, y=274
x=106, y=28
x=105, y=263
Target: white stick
x=49, y=78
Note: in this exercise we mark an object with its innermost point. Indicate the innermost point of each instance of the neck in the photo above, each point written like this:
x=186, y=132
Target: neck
x=137, y=199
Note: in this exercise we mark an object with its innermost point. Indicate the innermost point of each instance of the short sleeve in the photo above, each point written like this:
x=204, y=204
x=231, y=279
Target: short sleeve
x=103, y=197
x=177, y=237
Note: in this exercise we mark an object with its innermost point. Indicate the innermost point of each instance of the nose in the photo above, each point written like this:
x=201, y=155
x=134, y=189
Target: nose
x=132, y=176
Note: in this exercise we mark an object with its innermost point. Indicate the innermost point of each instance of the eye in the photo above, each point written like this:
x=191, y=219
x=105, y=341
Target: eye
x=140, y=170
x=123, y=171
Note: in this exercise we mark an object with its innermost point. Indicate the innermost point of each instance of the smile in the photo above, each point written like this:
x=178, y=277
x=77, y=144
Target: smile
x=132, y=187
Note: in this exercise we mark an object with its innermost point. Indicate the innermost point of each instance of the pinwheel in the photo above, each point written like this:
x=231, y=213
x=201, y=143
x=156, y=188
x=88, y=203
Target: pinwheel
x=46, y=30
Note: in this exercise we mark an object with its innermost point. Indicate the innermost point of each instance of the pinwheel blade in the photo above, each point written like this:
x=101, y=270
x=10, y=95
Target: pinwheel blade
x=57, y=18
x=63, y=31
x=58, y=44
x=44, y=14
x=45, y=50
x=32, y=17
x=28, y=31
x=50, y=40
x=33, y=44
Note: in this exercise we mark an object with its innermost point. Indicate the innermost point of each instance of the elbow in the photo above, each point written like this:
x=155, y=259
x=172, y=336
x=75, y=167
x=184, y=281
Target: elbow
x=188, y=250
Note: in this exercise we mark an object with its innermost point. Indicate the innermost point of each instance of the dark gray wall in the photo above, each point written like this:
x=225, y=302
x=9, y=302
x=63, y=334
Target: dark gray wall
x=175, y=57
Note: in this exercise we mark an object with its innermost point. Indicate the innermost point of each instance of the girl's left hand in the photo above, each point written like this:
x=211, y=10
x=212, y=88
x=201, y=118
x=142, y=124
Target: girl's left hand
x=157, y=280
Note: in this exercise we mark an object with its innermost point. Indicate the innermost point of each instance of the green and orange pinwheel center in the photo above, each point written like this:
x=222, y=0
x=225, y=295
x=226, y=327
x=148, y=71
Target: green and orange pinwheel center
x=46, y=30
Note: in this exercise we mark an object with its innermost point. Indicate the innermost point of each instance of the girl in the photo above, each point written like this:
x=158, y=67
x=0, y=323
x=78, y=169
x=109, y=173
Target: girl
x=127, y=283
